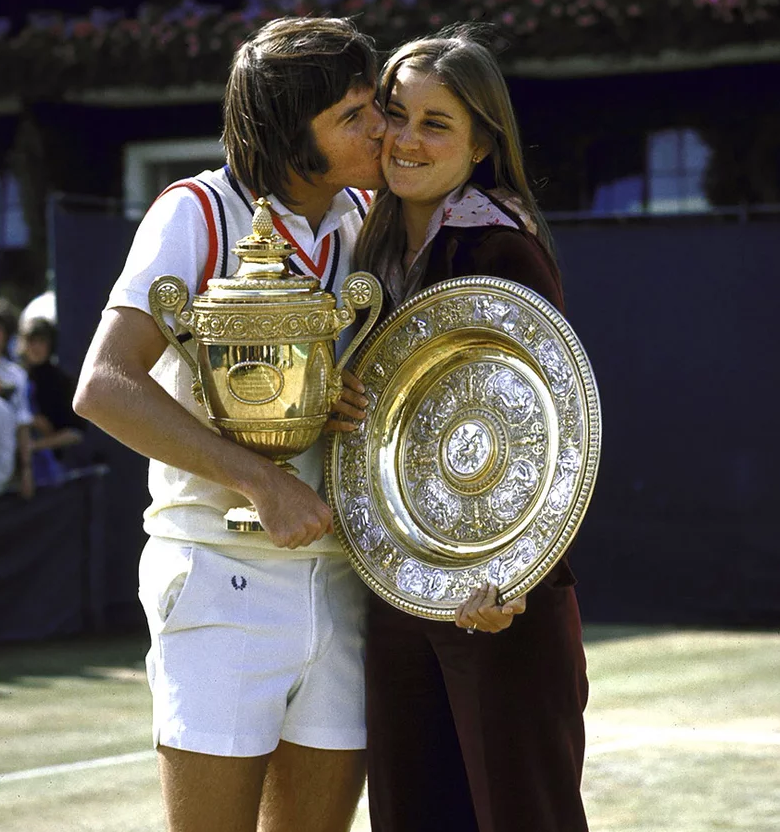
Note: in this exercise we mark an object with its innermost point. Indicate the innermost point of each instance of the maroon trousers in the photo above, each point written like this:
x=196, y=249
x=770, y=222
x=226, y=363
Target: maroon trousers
x=477, y=733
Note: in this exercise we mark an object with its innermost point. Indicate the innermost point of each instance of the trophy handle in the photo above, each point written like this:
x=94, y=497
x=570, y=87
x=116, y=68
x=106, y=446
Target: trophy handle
x=361, y=290
x=169, y=293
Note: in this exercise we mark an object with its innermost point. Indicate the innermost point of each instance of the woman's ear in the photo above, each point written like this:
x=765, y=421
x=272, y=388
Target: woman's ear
x=481, y=152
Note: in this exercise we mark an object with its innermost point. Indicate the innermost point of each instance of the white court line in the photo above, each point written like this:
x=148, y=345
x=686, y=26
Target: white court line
x=631, y=738
x=83, y=765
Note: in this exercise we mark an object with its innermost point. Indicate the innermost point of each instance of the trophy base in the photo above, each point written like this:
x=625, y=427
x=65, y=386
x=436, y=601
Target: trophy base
x=244, y=518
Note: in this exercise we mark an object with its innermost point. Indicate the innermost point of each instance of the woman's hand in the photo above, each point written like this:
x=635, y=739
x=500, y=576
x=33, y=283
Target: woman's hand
x=481, y=610
x=348, y=410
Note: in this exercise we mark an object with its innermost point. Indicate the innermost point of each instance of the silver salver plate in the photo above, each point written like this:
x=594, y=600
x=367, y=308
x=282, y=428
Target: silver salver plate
x=478, y=456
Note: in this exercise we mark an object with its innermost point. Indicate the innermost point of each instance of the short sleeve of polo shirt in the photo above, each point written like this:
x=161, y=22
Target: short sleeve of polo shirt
x=171, y=239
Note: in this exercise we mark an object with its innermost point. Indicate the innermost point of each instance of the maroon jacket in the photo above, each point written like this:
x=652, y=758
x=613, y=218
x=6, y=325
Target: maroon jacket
x=513, y=254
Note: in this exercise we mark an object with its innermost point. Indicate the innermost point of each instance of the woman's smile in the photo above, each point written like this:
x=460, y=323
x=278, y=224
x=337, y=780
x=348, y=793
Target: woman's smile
x=407, y=163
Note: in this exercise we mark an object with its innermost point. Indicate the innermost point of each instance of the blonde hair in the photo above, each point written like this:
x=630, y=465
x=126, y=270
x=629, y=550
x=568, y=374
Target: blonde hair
x=471, y=73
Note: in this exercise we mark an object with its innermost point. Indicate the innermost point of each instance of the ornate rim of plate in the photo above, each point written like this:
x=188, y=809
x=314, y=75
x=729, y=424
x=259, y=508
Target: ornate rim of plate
x=478, y=456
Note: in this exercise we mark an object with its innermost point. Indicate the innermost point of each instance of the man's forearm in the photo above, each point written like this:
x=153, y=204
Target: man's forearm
x=136, y=411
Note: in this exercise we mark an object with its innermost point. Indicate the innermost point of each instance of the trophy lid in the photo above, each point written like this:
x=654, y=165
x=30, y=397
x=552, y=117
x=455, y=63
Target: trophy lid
x=262, y=263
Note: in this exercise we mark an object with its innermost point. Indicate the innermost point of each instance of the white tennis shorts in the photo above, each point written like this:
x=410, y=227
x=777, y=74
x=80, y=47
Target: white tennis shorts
x=247, y=652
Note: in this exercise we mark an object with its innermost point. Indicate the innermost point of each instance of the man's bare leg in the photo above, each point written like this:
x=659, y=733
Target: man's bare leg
x=205, y=793
x=311, y=789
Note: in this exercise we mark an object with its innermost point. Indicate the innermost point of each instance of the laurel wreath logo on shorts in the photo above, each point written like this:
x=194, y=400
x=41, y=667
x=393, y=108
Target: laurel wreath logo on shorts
x=238, y=581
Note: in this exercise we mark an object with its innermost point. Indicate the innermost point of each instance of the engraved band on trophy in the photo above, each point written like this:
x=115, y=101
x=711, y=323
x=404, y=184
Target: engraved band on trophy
x=264, y=365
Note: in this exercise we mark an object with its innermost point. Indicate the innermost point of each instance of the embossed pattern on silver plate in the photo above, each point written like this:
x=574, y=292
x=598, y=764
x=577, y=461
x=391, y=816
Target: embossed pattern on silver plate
x=478, y=457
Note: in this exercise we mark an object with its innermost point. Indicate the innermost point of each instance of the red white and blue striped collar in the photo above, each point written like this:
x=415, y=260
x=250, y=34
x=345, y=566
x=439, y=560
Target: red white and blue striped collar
x=343, y=203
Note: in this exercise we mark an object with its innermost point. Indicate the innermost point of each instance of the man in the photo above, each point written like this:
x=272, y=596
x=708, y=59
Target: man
x=256, y=658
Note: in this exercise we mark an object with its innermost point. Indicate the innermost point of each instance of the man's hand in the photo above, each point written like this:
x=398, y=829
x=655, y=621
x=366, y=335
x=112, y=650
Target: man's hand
x=291, y=512
x=349, y=408
x=481, y=610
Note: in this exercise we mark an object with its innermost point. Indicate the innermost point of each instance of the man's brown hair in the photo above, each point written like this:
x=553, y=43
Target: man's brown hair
x=281, y=78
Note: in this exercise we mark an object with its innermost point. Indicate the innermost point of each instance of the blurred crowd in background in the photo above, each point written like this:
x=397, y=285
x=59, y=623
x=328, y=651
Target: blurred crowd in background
x=37, y=422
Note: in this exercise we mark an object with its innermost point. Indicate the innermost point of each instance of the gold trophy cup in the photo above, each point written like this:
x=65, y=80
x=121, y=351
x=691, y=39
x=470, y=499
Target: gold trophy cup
x=264, y=365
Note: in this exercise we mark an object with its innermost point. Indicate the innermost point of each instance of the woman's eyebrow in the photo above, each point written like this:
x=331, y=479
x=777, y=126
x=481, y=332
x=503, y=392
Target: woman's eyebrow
x=438, y=113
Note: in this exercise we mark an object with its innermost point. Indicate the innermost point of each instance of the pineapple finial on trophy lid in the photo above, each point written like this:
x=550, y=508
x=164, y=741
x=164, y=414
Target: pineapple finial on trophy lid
x=262, y=221
x=263, y=254
x=263, y=245
x=262, y=263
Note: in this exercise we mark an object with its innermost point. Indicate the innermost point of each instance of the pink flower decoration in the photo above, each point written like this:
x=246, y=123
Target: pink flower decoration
x=83, y=29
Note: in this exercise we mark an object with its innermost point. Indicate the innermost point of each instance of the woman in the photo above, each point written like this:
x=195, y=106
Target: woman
x=476, y=726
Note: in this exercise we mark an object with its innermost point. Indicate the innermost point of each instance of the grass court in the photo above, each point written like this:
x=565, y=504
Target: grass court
x=683, y=734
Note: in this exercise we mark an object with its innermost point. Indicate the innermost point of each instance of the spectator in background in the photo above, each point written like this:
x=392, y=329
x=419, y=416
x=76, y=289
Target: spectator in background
x=55, y=426
x=13, y=391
